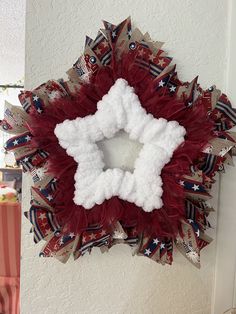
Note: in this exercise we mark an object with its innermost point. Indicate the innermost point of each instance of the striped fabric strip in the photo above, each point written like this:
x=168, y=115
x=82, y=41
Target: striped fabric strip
x=10, y=225
x=227, y=110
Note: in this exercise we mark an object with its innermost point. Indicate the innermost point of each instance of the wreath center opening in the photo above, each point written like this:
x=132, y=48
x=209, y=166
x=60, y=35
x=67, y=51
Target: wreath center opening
x=120, y=151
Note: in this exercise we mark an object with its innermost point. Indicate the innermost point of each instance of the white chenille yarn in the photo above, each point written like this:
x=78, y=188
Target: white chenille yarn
x=120, y=109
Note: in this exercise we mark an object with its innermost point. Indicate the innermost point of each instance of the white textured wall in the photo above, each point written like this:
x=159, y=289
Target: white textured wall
x=195, y=34
x=225, y=281
x=12, y=54
x=12, y=17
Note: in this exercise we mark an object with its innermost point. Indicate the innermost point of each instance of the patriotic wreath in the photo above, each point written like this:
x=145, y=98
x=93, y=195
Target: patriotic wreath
x=123, y=82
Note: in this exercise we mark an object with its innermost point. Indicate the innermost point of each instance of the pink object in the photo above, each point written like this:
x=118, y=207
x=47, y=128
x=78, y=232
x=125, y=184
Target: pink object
x=10, y=227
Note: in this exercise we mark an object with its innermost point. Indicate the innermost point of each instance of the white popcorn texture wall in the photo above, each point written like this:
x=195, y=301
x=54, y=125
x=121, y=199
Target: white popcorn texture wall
x=195, y=33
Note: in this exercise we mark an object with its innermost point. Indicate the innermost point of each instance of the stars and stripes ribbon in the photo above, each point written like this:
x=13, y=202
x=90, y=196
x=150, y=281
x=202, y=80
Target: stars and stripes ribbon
x=93, y=236
x=196, y=214
x=18, y=141
x=43, y=221
x=160, y=250
x=224, y=106
x=14, y=119
x=59, y=246
x=101, y=47
x=30, y=101
x=31, y=161
x=115, y=32
x=47, y=193
x=211, y=164
x=194, y=188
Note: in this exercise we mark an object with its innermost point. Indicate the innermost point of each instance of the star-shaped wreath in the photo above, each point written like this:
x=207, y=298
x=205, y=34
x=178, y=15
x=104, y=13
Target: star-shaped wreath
x=123, y=81
x=119, y=110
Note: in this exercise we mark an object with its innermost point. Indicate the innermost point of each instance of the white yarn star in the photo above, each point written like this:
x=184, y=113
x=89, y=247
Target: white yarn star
x=120, y=109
